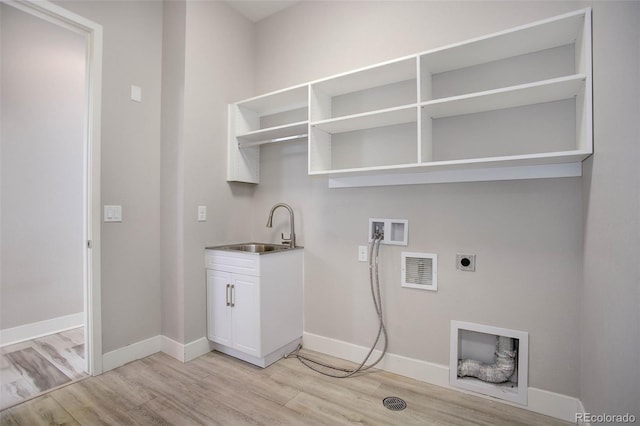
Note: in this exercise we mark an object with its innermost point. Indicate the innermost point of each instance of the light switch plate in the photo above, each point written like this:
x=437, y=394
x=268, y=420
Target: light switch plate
x=112, y=213
x=136, y=93
x=362, y=253
x=202, y=213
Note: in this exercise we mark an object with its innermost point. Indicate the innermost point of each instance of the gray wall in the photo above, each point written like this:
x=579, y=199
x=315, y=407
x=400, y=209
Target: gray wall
x=219, y=70
x=527, y=234
x=171, y=184
x=208, y=51
x=43, y=107
x=131, y=290
x=610, y=336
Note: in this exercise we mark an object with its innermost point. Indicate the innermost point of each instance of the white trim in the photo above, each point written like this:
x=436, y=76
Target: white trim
x=93, y=31
x=197, y=348
x=542, y=171
x=581, y=409
x=159, y=343
x=186, y=352
x=553, y=404
x=22, y=333
x=425, y=371
x=540, y=401
x=264, y=361
x=132, y=352
x=172, y=348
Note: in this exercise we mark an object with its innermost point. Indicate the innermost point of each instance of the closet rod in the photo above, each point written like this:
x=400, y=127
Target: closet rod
x=242, y=144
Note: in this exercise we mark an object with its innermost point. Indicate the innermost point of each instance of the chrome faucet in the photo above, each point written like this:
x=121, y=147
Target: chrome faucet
x=291, y=241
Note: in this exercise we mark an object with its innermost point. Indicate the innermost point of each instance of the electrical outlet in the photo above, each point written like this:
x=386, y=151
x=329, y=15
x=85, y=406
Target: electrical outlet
x=362, y=253
x=466, y=262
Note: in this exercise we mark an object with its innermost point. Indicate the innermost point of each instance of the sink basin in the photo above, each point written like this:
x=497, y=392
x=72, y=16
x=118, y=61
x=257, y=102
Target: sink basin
x=257, y=248
x=253, y=247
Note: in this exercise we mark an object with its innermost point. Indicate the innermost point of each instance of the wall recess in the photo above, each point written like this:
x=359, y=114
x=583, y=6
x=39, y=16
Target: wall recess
x=478, y=342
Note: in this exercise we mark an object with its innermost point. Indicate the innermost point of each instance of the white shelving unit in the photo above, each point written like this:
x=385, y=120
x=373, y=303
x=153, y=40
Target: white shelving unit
x=516, y=104
x=279, y=116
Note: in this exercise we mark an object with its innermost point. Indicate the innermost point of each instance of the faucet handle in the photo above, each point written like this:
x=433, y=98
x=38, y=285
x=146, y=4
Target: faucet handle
x=285, y=240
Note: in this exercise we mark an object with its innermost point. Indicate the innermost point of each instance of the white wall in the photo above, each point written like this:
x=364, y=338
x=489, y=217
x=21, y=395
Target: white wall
x=610, y=336
x=131, y=288
x=527, y=234
x=42, y=144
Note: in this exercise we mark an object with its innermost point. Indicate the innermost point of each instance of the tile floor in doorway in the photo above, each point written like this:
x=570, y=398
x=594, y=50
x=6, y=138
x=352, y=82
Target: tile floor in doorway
x=31, y=368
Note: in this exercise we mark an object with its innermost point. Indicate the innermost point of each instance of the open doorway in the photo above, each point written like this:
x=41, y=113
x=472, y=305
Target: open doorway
x=50, y=198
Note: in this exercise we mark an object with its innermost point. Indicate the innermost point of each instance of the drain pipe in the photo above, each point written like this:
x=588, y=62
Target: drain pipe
x=499, y=372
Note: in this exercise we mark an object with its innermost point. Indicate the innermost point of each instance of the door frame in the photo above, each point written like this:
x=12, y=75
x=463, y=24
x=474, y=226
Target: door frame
x=91, y=166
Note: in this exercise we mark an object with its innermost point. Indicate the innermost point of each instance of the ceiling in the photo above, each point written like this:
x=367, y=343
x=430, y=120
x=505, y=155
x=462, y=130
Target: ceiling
x=255, y=10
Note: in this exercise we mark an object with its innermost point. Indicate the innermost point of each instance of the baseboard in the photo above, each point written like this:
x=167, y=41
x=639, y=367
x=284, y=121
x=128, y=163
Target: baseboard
x=540, y=401
x=159, y=343
x=34, y=330
x=581, y=409
x=132, y=352
x=172, y=348
x=197, y=348
x=187, y=352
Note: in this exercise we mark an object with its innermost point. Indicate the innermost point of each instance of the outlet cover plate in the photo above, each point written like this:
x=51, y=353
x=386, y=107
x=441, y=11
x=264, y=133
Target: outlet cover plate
x=466, y=262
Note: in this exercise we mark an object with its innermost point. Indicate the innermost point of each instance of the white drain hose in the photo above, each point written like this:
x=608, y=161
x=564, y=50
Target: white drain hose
x=499, y=372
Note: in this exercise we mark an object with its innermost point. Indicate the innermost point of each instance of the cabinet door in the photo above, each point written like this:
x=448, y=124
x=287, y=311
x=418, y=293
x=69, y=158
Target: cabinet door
x=218, y=313
x=246, y=314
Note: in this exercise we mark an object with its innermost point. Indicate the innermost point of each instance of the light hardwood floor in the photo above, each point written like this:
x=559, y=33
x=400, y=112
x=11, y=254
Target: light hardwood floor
x=217, y=389
x=36, y=366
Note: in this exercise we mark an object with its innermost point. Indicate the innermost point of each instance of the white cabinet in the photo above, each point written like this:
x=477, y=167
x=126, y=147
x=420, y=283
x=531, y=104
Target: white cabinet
x=515, y=104
x=254, y=303
x=233, y=314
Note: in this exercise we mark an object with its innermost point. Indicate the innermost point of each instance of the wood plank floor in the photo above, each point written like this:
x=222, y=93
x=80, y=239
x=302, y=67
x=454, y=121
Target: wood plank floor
x=219, y=390
x=29, y=369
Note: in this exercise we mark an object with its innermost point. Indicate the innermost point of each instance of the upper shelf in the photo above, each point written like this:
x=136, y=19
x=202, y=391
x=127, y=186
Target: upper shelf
x=366, y=78
x=369, y=120
x=526, y=94
x=279, y=101
x=546, y=34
